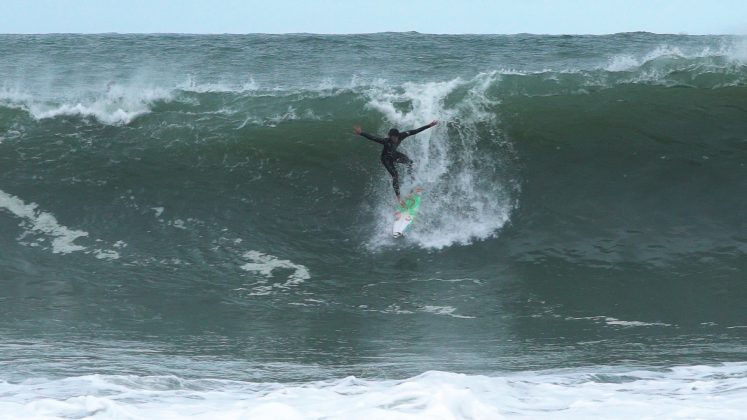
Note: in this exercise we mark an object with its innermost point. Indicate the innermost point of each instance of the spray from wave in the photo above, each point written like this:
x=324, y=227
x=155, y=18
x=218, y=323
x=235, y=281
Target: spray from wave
x=116, y=105
x=466, y=195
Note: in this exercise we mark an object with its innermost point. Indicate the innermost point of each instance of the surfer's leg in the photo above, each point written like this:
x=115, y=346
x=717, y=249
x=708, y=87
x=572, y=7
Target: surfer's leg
x=402, y=158
x=389, y=165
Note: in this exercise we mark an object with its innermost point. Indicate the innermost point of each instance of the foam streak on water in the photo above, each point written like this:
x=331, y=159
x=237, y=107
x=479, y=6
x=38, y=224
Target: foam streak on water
x=37, y=222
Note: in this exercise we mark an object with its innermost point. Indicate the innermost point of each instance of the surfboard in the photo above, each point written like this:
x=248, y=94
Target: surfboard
x=405, y=215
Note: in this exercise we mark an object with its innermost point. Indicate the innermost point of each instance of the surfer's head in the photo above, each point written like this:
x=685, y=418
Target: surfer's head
x=394, y=134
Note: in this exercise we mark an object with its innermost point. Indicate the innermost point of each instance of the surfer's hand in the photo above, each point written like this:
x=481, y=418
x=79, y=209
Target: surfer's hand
x=357, y=129
x=433, y=123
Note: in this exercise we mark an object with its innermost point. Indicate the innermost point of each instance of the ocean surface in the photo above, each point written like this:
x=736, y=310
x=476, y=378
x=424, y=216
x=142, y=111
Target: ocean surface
x=190, y=228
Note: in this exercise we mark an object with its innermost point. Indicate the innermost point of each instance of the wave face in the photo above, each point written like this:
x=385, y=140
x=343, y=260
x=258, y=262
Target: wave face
x=201, y=203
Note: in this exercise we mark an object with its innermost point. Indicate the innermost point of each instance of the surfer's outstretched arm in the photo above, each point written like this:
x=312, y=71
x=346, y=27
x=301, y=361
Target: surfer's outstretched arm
x=371, y=137
x=417, y=130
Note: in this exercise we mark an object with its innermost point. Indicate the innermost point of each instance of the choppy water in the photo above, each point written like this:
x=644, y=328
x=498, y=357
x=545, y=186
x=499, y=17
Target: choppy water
x=189, y=226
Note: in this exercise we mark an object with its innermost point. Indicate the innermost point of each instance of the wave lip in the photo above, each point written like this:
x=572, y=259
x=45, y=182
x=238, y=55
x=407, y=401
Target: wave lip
x=118, y=105
x=735, y=52
x=709, y=67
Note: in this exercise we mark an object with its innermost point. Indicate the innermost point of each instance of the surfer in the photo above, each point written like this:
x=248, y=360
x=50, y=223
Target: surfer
x=390, y=155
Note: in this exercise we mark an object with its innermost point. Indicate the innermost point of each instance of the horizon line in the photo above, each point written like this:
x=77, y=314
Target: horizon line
x=373, y=33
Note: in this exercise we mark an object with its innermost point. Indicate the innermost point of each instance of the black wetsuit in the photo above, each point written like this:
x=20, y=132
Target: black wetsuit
x=390, y=155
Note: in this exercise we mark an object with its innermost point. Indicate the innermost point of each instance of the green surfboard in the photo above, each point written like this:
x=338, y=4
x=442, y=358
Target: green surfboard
x=405, y=215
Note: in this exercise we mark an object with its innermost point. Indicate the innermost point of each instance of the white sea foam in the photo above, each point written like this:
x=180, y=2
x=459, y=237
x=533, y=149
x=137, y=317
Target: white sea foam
x=396, y=309
x=704, y=392
x=106, y=254
x=627, y=62
x=735, y=51
x=10, y=96
x=444, y=310
x=614, y=321
x=178, y=223
x=61, y=238
x=116, y=105
x=192, y=85
x=265, y=265
x=622, y=62
x=463, y=201
x=36, y=221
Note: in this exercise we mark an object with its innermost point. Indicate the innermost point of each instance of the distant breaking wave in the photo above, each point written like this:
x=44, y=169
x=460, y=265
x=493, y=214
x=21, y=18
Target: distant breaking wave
x=117, y=103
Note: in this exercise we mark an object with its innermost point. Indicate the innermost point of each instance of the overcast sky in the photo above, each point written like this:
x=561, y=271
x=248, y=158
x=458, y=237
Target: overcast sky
x=365, y=16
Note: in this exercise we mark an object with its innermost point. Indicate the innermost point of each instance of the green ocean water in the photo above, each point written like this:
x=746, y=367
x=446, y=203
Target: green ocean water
x=199, y=206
